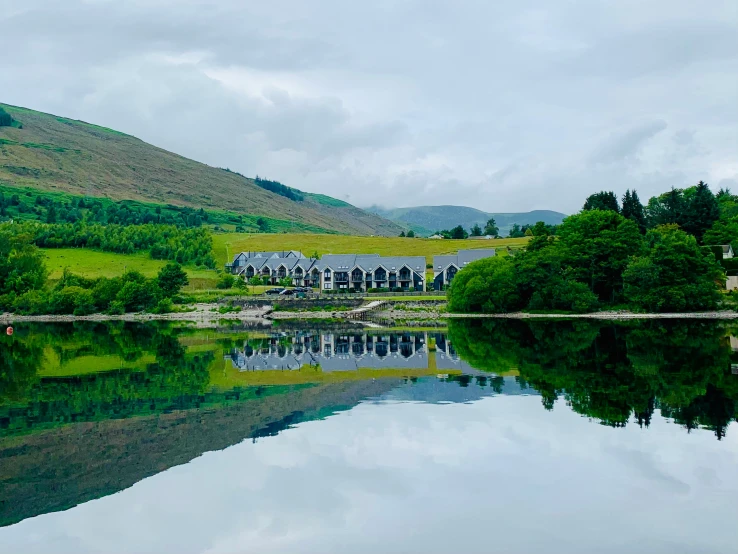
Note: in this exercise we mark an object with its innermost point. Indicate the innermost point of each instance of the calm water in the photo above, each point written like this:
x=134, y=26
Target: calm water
x=483, y=437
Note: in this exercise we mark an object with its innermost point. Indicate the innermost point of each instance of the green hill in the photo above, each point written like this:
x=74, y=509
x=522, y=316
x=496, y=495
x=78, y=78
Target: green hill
x=427, y=219
x=51, y=153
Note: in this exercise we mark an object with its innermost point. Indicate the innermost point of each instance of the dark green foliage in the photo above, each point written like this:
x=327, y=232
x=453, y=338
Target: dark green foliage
x=616, y=374
x=633, y=210
x=605, y=200
x=458, y=232
x=411, y=234
x=226, y=281
x=491, y=229
x=485, y=286
x=171, y=278
x=596, y=245
x=595, y=254
x=402, y=234
x=278, y=188
x=476, y=230
x=5, y=119
x=701, y=211
x=22, y=266
x=675, y=275
x=164, y=242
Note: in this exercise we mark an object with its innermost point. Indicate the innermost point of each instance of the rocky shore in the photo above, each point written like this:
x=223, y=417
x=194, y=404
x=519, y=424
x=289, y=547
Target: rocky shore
x=210, y=312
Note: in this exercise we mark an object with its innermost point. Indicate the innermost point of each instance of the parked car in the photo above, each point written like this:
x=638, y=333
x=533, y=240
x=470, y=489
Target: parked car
x=302, y=289
x=287, y=292
x=276, y=290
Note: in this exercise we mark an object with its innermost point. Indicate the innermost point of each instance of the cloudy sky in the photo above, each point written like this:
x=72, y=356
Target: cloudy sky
x=506, y=106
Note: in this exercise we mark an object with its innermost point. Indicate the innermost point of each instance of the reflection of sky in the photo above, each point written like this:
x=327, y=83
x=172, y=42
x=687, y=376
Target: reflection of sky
x=497, y=475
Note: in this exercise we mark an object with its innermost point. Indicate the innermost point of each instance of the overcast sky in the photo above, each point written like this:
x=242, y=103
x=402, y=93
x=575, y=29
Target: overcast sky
x=505, y=106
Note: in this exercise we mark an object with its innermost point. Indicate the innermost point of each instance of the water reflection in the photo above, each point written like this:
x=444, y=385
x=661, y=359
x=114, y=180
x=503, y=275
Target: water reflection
x=613, y=373
x=89, y=409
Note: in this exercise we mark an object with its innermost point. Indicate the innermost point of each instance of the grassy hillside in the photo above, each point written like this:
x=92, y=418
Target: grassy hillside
x=341, y=244
x=93, y=264
x=51, y=153
x=427, y=219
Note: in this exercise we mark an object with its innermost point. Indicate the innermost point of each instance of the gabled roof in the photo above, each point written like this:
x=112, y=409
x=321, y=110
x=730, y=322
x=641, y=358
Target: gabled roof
x=271, y=254
x=370, y=262
x=461, y=258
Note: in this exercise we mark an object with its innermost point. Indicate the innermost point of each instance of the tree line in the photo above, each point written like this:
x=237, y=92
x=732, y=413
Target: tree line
x=650, y=258
x=163, y=242
x=23, y=284
x=45, y=209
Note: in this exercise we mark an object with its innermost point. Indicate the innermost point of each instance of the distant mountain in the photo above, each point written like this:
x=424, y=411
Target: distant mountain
x=52, y=153
x=427, y=219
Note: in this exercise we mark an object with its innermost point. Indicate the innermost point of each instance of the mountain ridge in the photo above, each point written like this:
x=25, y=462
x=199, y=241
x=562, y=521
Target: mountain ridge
x=428, y=219
x=53, y=153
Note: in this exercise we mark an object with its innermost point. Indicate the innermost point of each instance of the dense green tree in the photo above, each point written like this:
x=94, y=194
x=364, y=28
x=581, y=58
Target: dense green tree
x=596, y=246
x=459, y=232
x=137, y=296
x=667, y=208
x=633, y=210
x=476, y=230
x=402, y=234
x=22, y=266
x=411, y=234
x=722, y=232
x=171, y=278
x=674, y=275
x=516, y=232
x=701, y=211
x=490, y=228
x=605, y=200
x=485, y=286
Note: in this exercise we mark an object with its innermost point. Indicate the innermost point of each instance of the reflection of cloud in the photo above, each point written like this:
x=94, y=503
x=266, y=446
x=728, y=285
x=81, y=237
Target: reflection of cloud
x=413, y=477
x=422, y=111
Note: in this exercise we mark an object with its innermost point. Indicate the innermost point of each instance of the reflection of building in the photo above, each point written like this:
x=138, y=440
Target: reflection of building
x=334, y=352
x=447, y=357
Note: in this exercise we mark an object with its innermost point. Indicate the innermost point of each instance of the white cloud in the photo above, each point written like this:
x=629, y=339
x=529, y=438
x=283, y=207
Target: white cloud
x=504, y=106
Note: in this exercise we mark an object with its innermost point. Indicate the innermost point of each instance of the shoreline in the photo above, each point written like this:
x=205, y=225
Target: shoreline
x=208, y=312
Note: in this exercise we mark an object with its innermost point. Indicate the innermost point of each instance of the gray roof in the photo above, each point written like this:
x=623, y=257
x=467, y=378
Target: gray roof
x=461, y=258
x=370, y=262
x=275, y=254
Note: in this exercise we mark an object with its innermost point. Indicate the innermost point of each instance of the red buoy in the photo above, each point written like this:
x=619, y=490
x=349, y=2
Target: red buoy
x=9, y=331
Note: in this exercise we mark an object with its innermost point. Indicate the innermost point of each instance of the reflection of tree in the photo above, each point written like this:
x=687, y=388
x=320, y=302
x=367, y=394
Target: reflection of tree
x=613, y=372
x=176, y=380
x=20, y=356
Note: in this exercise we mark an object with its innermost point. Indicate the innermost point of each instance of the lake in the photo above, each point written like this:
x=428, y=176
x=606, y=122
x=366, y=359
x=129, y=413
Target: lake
x=483, y=436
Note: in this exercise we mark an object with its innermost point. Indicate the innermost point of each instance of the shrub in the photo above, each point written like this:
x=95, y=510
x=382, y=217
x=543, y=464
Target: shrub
x=164, y=306
x=137, y=296
x=487, y=286
x=116, y=308
x=65, y=301
x=33, y=302
x=105, y=291
x=226, y=281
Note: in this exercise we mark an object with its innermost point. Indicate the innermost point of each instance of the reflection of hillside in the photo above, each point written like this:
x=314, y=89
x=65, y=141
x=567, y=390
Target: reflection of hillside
x=57, y=469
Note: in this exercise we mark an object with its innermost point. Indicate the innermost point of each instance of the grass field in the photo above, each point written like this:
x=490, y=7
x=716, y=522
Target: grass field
x=226, y=245
x=93, y=264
